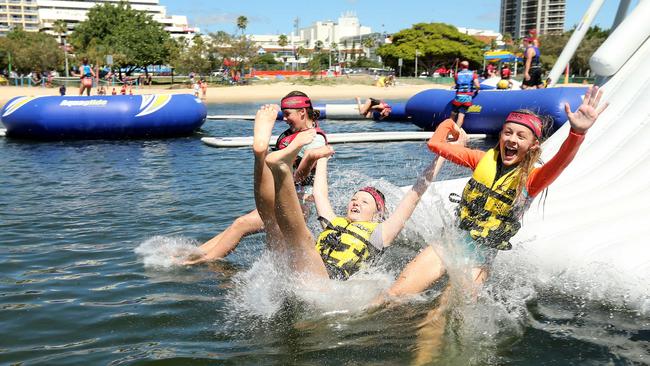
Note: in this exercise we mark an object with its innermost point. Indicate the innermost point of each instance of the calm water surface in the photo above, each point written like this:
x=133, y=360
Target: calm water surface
x=89, y=229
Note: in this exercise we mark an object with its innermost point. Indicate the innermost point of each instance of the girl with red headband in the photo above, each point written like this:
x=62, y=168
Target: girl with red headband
x=505, y=180
x=347, y=243
x=299, y=114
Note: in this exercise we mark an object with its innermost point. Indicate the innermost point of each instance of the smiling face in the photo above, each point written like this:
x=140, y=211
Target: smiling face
x=362, y=207
x=514, y=142
x=296, y=118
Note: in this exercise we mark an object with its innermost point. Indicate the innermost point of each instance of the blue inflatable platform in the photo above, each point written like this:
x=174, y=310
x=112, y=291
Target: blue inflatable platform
x=103, y=117
x=430, y=107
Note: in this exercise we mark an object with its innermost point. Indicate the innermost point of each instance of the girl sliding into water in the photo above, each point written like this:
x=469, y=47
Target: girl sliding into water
x=504, y=182
x=347, y=242
x=298, y=112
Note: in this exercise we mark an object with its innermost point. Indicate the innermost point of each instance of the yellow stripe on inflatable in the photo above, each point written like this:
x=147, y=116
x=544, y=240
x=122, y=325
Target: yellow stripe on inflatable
x=158, y=102
x=17, y=104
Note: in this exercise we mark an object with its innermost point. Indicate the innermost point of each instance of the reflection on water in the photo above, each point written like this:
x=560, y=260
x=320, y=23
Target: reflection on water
x=91, y=233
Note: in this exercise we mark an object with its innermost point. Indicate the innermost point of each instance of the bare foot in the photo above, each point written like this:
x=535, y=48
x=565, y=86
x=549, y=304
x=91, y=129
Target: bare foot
x=322, y=152
x=264, y=122
x=287, y=155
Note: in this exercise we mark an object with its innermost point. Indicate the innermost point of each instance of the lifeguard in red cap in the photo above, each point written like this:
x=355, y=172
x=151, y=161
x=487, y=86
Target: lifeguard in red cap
x=467, y=86
x=504, y=182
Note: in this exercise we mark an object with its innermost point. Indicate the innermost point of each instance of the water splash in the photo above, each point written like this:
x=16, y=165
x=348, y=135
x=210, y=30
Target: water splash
x=166, y=252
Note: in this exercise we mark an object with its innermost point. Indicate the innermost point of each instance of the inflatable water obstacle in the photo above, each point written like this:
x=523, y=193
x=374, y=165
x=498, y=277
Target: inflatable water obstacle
x=103, y=117
x=490, y=108
x=429, y=108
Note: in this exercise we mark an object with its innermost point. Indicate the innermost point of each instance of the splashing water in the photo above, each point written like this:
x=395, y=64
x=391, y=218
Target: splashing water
x=166, y=252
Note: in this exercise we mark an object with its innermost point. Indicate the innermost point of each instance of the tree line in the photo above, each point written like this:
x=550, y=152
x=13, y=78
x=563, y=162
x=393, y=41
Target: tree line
x=135, y=41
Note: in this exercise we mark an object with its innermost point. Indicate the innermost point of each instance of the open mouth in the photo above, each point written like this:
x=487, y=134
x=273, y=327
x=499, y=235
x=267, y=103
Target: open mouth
x=509, y=152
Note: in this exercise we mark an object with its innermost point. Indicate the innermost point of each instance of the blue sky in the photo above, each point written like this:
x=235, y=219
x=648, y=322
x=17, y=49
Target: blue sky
x=275, y=17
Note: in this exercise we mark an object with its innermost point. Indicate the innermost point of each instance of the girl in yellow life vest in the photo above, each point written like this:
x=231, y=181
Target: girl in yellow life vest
x=504, y=182
x=347, y=242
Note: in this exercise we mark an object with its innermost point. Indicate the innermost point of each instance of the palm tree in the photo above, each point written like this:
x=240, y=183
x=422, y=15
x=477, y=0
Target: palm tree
x=369, y=43
x=242, y=23
x=318, y=46
x=60, y=27
x=283, y=42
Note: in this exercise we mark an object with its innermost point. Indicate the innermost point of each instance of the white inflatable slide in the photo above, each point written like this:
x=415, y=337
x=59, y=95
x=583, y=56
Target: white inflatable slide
x=592, y=233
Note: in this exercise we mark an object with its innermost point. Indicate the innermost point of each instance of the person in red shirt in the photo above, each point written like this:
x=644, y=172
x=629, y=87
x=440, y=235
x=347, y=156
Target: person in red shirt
x=505, y=180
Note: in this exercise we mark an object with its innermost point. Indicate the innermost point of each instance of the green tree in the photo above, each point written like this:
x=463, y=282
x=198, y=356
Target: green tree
x=60, y=27
x=242, y=23
x=30, y=51
x=318, y=46
x=438, y=43
x=283, y=41
x=131, y=36
x=552, y=45
x=368, y=44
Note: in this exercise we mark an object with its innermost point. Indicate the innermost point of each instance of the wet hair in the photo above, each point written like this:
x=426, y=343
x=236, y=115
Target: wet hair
x=532, y=155
x=312, y=114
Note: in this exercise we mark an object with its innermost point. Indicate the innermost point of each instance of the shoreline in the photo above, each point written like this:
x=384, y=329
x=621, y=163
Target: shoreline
x=252, y=93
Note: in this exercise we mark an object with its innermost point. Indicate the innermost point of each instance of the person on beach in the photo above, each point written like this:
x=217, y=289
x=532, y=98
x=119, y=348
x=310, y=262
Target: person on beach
x=467, y=86
x=504, y=182
x=87, y=75
x=373, y=105
x=204, y=88
x=347, y=243
x=532, y=66
x=298, y=112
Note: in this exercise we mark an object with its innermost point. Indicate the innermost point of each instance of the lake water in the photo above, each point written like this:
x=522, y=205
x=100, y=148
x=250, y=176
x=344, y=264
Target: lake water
x=89, y=227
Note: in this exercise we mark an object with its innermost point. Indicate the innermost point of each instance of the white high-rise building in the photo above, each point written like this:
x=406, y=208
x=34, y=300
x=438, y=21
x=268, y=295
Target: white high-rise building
x=35, y=15
x=23, y=13
x=329, y=32
x=518, y=17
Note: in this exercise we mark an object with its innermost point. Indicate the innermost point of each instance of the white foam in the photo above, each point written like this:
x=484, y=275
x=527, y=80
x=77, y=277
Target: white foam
x=165, y=252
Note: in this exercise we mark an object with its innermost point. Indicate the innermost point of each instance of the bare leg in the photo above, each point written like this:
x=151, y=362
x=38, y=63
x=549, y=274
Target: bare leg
x=263, y=179
x=299, y=239
x=425, y=269
x=460, y=119
x=431, y=332
x=365, y=108
x=224, y=243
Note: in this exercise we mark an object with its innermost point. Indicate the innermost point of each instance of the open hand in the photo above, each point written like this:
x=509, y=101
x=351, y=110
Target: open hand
x=585, y=116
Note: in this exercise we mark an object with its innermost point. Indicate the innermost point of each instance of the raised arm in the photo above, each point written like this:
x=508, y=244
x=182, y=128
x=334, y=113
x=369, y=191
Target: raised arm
x=395, y=223
x=313, y=152
x=581, y=121
x=321, y=191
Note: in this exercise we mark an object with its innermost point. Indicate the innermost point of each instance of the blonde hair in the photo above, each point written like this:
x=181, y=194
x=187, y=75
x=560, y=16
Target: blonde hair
x=533, y=156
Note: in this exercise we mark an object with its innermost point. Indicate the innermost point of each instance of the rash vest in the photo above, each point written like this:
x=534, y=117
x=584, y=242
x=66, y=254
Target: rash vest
x=465, y=82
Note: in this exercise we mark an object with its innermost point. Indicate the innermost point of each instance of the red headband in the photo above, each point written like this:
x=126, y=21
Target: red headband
x=528, y=120
x=375, y=194
x=295, y=102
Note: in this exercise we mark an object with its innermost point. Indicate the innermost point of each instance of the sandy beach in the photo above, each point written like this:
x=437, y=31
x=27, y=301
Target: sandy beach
x=252, y=93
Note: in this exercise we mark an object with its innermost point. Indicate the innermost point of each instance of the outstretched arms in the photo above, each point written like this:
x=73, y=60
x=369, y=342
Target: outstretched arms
x=395, y=223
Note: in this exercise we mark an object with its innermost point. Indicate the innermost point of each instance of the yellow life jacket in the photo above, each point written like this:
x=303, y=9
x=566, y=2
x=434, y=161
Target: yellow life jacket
x=344, y=246
x=487, y=209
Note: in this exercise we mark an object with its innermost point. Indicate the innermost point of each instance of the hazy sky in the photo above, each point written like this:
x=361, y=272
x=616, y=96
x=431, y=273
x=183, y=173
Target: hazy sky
x=275, y=17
